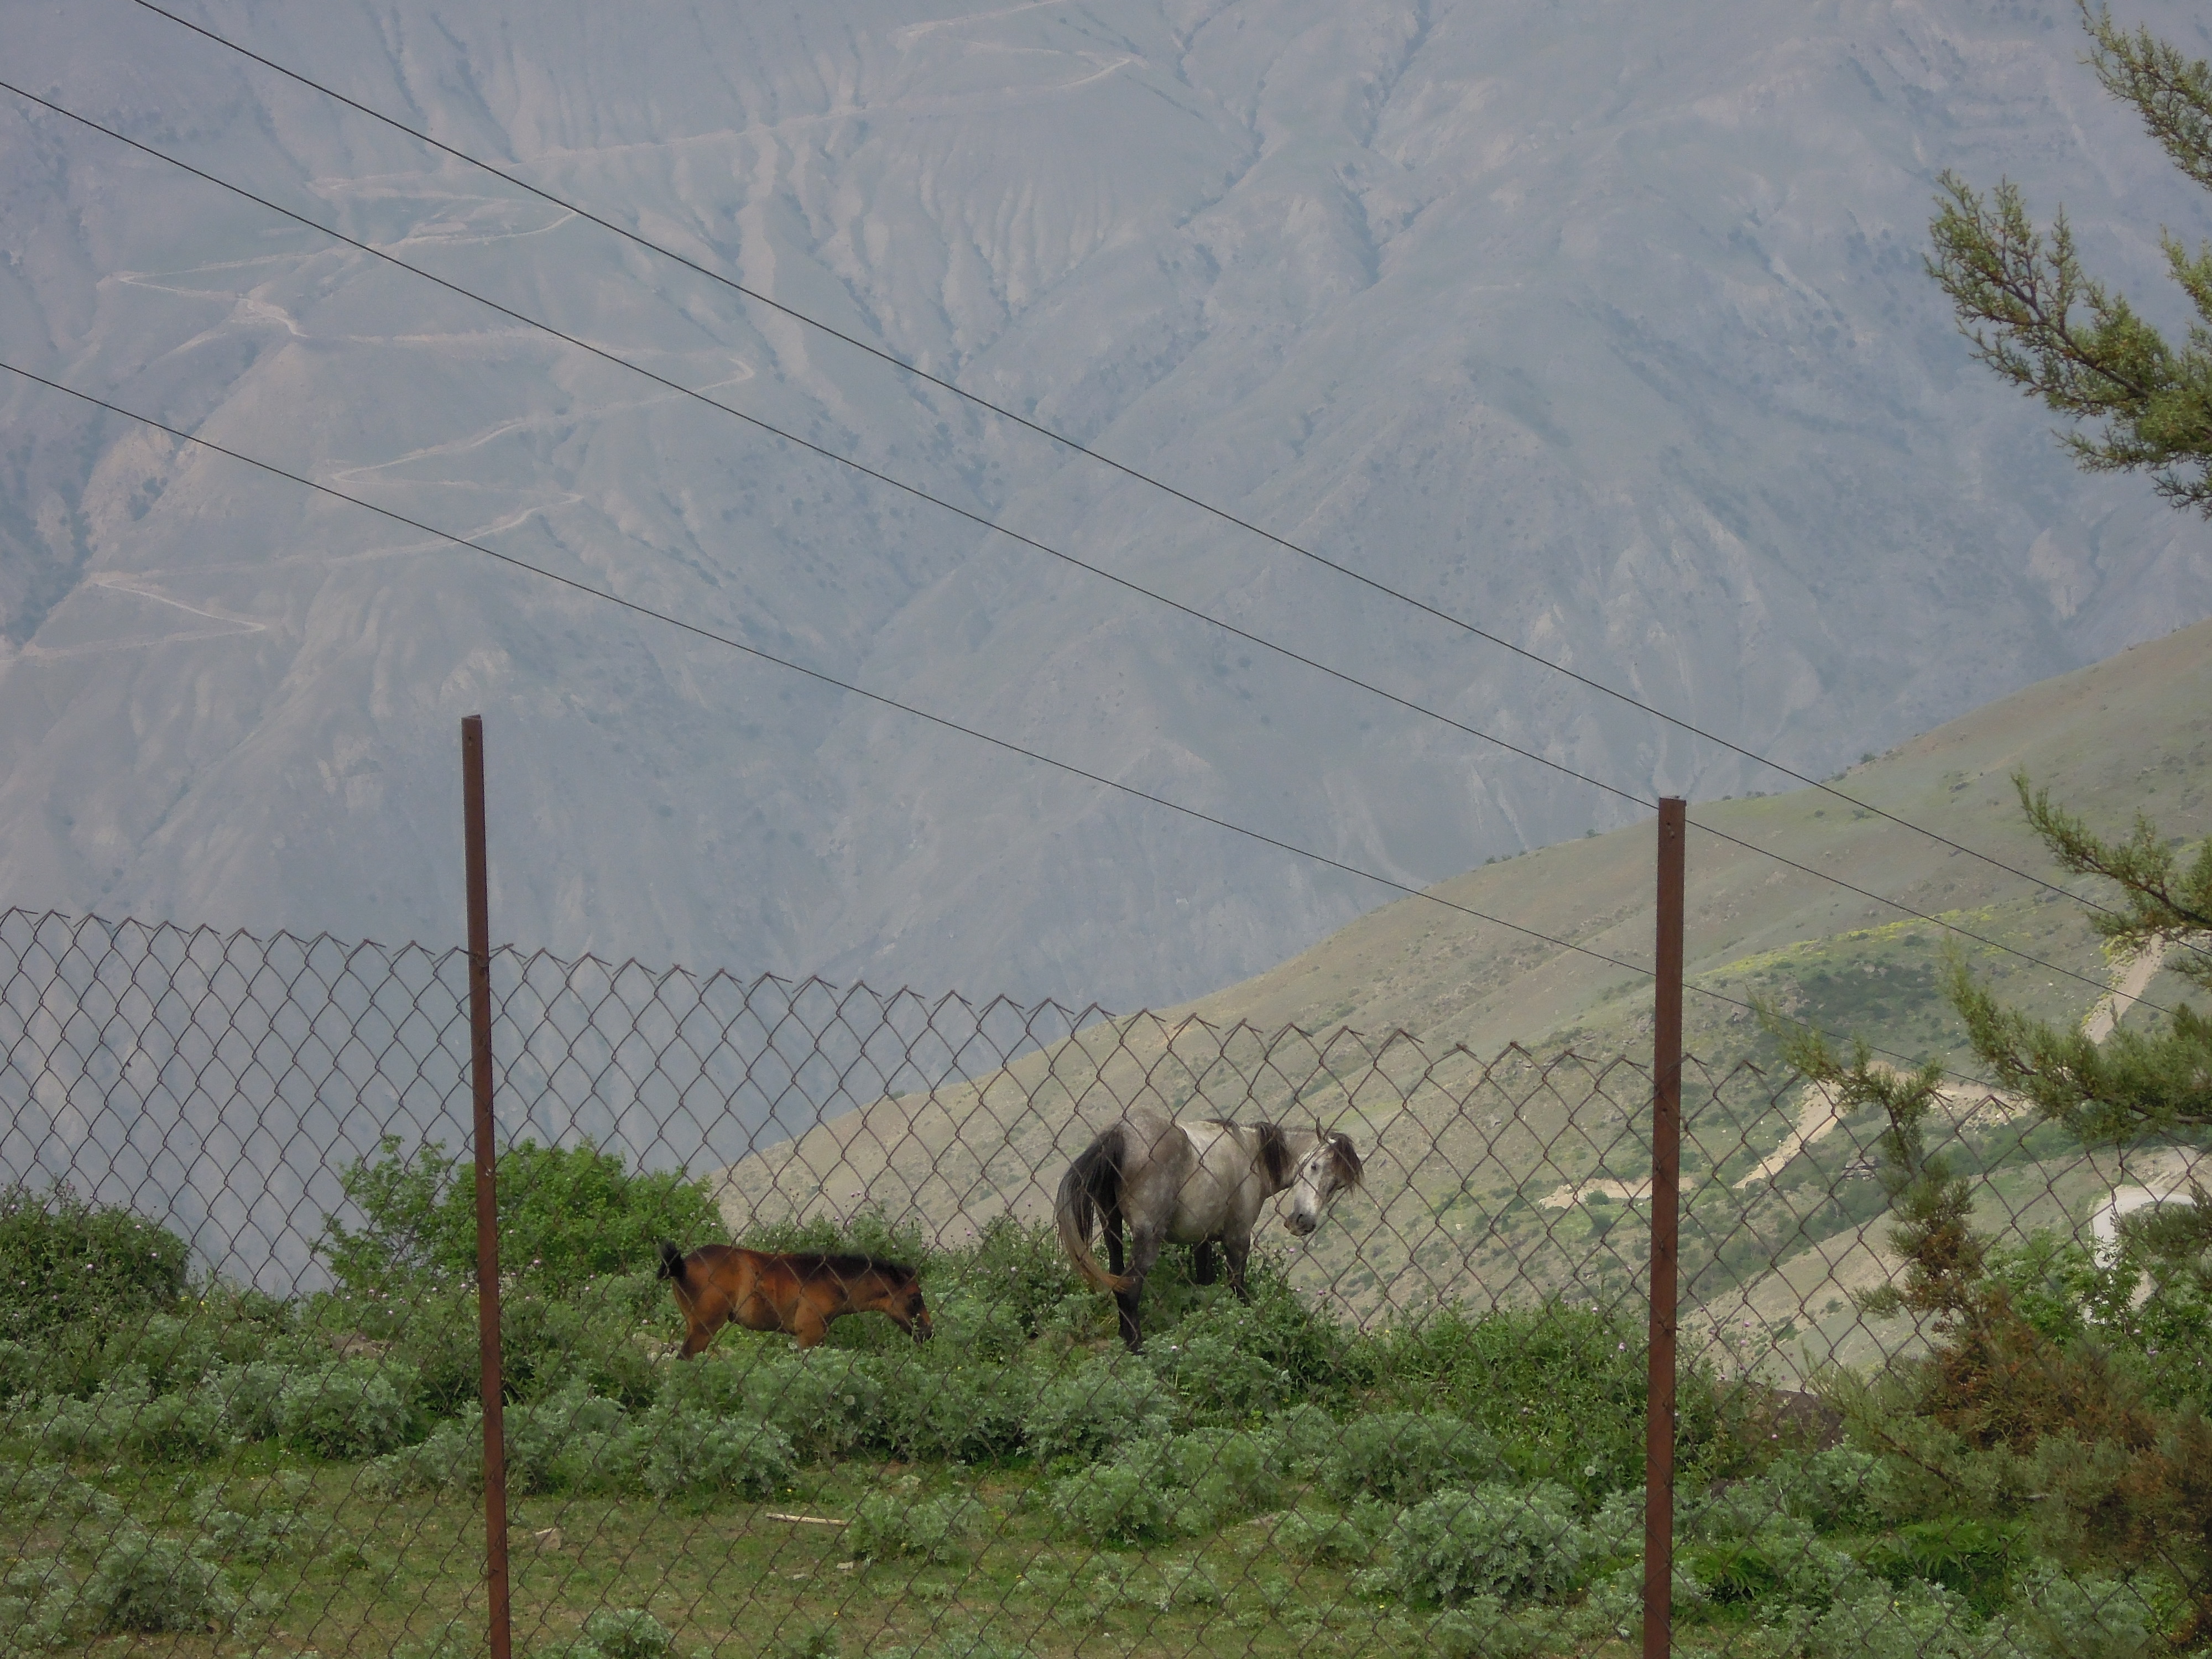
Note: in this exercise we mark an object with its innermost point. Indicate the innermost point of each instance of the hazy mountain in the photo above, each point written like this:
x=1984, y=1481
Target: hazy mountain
x=1601, y=325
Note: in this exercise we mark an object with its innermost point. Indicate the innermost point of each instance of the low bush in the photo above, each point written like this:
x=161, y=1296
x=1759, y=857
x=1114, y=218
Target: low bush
x=827, y=1402
x=350, y=1408
x=1481, y=1627
x=1400, y=1457
x=66, y=1262
x=1018, y=1270
x=1921, y=1621
x=146, y=1584
x=450, y=1458
x=961, y=1413
x=688, y=1451
x=238, y=1535
x=1129, y=1497
x=1323, y=1540
x=1226, y=1473
x=628, y=1633
x=1780, y=1562
x=246, y=1397
x=1098, y=1406
x=1561, y=1387
x=125, y=1418
x=1511, y=1542
x=572, y=1441
x=2057, y=1615
x=1973, y=1559
x=895, y=1523
x=567, y=1215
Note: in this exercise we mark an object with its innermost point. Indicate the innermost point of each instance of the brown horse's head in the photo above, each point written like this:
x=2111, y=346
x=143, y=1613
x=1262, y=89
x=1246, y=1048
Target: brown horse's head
x=873, y=1285
x=902, y=1301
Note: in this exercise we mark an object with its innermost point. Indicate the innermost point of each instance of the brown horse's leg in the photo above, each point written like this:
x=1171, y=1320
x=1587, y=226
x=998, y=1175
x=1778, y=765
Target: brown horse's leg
x=808, y=1326
x=705, y=1313
x=1201, y=1262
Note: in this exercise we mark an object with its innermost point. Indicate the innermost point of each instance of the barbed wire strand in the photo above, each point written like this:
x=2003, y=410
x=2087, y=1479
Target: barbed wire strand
x=1135, y=474
x=982, y=522
x=1007, y=744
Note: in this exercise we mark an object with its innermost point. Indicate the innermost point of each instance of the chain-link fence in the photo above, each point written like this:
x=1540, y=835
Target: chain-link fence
x=240, y=1359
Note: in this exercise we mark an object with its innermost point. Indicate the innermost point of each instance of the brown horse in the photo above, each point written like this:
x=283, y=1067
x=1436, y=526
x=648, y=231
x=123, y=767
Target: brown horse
x=720, y=1285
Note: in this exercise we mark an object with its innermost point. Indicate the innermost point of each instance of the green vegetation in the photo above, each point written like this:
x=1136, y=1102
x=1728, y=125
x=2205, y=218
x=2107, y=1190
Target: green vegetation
x=2040, y=321
x=566, y=1215
x=230, y=1467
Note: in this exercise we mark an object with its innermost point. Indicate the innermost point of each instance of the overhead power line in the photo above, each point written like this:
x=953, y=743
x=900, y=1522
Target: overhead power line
x=982, y=522
x=1101, y=458
x=714, y=636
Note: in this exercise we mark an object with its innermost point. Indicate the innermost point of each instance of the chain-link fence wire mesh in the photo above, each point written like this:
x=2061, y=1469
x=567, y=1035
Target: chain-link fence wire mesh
x=239, y=1350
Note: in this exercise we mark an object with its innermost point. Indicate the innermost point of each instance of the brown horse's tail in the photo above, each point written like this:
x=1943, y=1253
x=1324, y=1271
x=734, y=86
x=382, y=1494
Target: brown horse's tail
x=671, y=1262
x=1091, y=1186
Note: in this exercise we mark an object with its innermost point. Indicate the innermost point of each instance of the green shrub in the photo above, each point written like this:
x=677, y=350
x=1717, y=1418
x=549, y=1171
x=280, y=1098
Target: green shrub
x=1511, y=1542
x=1309, y=1435
x=1323, y=1540
x=2057, y=1616
x=65, y=1262
x=1017, y=1271
x=1837, y=1488
x=1099, y=1405
x=826, y=1402
x=963, y=1413
x=237, y=1535
x=894, y=1524
x=1127, y=1498
x=1226, y=1473
x=450, y=1458
x=567, y=1215
x=1973, y=1559
x=246, y=1397
x=1922, y=1621
x=1780, y=1561
x=144, y=1583
x=572, y=1441
x=586, y=1333
x=688, y=1451
x=1400, y=1457
x=126, y=1417
x=1481, y=1628
x=1560, y=1387
x=350, y=1408
x=39, y=1606
x=628, y=1634
x=969, y=1327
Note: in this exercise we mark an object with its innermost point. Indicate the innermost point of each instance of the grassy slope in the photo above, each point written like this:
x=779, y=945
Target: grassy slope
x=1463, y=1154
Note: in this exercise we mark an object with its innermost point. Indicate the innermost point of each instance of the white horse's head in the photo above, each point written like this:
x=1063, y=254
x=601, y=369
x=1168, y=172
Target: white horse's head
x=1330, y=1168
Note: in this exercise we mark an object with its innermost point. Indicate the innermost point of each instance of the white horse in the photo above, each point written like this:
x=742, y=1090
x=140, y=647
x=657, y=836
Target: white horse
x=1200, y=1184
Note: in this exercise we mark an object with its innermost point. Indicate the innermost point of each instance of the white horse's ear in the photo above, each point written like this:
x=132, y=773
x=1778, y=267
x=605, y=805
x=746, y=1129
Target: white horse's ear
x=1321, y=1135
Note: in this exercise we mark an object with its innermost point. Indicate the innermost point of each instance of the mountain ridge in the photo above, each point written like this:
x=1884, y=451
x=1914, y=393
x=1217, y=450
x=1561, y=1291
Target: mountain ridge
x=1602, y=330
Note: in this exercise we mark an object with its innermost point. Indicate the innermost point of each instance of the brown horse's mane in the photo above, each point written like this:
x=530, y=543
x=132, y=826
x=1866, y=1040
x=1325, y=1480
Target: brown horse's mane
x=810, y=1264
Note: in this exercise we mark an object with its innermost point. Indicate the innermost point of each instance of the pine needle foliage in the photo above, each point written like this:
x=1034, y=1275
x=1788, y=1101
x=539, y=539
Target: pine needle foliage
x=2034, y=315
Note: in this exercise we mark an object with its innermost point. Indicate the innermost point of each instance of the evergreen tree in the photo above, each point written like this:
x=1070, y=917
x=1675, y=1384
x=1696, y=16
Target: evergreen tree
x=2036, y=317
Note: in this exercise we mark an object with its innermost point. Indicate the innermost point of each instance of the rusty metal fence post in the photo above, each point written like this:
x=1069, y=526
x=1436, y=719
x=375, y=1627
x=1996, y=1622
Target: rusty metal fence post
x=1666, y=1218
x=498, y=1614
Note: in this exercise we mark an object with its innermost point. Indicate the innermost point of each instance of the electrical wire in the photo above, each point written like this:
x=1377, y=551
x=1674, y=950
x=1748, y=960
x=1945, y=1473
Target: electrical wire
x=1105, y=460
x=980, y=521
x=715, y=636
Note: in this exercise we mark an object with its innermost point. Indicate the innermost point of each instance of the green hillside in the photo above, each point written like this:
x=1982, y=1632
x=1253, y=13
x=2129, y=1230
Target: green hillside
x=1496, y=1084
